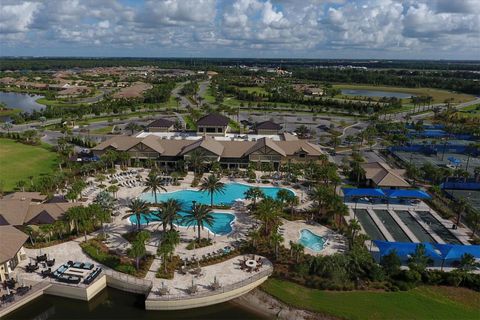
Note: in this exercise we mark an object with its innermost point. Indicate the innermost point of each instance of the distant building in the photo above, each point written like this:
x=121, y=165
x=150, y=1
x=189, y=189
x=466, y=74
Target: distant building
x=267, y=128
x=161, y=125
x=381, y=175
x=213, y=124
x=11, y=250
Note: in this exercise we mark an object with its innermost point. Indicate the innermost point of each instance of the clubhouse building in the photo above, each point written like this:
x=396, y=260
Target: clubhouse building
x=216, y=144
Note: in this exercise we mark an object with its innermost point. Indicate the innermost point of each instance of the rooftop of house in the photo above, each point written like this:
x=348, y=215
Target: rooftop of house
x=18, y=211
x=384, y=176
x=222, y=148
x=161, y=123
x=213, y=119
x=12, y=241
x=268, y=125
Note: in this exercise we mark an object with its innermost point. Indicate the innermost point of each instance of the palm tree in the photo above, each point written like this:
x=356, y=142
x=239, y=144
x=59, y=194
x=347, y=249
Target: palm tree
x=254, y=193
x=276, y=239
x=460, y=207
x=297, y=249
x=137, y=208
x=47, y=230
x=212, y=185
x=132, y=126
x=255, y=236
x=154, y=184
x=282, y=195
x=353, y=229
x=198, y=216
x=321, y=197
x=197, y=159
x=292, y=201
x=113, y=189
x=170, y=210
x=268, y=212
x=138, y=250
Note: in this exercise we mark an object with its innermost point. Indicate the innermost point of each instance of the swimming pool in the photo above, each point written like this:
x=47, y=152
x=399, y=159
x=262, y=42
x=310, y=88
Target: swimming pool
x=222, y=222
x=231, y=192
x=310, y=240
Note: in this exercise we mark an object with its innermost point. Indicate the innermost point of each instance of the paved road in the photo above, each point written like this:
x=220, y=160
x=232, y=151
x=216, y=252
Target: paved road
x=184, y=102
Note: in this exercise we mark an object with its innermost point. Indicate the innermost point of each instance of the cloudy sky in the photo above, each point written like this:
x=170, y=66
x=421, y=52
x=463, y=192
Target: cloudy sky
x=409, y=29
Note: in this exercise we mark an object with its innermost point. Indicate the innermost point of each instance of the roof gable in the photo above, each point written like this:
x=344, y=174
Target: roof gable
x=266, y=143
x=208, y=143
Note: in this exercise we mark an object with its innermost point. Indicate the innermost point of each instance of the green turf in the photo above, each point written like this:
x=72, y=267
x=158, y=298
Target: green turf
x=19, y=161
x=438, y=95
x=258, y=90
x=103, y=130
x=420, y=303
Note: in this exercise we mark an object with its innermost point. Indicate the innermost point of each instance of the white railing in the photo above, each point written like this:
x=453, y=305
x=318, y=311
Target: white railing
x=128, y=279
x=230, y=287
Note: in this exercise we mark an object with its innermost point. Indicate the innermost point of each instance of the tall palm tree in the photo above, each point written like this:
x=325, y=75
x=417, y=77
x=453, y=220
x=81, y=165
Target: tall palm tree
x=170, y=210
x=353, y=229
x=137, y=208
x=197, y=159
x=321, y=197
x=138, y=250
x=268, y=212
x=154, y=184
x=282, y=195
x=254, y=193
x=199, y=216
x=212, y=185
x=276, y=239
x=292, y=201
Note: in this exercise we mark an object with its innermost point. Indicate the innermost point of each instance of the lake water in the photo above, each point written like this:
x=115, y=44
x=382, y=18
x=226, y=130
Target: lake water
x=115, y=304
x=376, y=94
x=22, y=101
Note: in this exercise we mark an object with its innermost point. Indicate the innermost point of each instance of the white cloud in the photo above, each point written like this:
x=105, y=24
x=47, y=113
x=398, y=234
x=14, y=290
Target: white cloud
x=245, y=27
x=18, y=17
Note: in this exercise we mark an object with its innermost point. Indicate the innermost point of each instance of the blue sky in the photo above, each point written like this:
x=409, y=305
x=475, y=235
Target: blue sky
x=382, y=29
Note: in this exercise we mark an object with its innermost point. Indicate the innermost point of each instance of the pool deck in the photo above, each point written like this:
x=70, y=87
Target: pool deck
x=291, y=232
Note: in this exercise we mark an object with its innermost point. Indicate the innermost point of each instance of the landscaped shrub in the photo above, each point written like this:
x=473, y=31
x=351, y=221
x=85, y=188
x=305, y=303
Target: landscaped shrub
x=195, y=244
x=172, y=264
x=100, y=253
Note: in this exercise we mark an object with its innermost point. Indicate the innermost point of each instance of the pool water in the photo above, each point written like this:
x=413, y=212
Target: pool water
x=232, y=192
x=310, y=240
x=222, y=222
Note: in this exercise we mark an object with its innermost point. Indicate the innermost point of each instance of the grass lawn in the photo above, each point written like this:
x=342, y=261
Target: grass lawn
x=472, y=111
x=58, y=103
x=438, y=95
x=258, y=90
x=104, y=130
x=19, y=161
x=421, y=303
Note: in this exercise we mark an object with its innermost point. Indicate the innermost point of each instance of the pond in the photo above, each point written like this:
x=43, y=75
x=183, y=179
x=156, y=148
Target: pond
x=115, y=304
x=23, y=101
x=376, y=94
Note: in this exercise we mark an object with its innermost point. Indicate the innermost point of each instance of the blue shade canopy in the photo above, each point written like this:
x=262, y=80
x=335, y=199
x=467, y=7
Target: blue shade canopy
x=415, y=194
x=405, y=249
x=363, y=192
x=456, y=251
x=455, y=161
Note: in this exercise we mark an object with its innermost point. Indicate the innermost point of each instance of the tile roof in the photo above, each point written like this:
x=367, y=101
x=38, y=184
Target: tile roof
x=11, y=240
x=222, y=148
x=208, y=143
x=266, y=142
x=161, y=123
x=213, y=119
x=268, y=125
x=35, y=196
x=383, y=175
